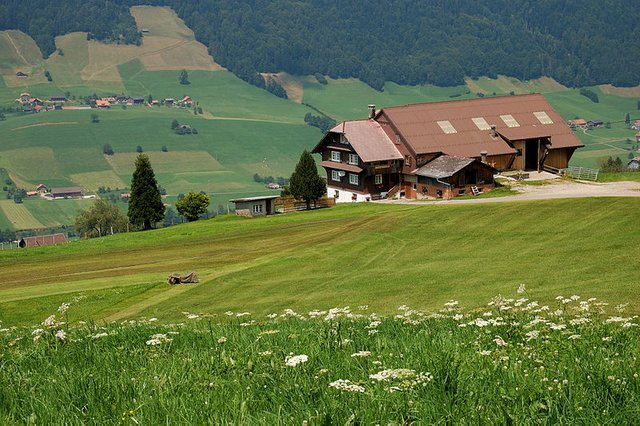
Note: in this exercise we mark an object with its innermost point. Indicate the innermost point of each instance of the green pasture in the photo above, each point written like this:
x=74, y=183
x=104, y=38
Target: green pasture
x=380, y=255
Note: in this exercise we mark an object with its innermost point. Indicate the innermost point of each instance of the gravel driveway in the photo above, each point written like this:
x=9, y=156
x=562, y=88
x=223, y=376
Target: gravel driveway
x=552, y=189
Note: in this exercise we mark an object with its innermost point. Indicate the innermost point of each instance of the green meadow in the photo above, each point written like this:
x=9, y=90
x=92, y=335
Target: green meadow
x=380, y=255
x=242, y=130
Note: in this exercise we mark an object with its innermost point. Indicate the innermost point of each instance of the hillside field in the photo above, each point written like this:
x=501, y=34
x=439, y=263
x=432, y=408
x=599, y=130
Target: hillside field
x=383, y=256
x=242, y=130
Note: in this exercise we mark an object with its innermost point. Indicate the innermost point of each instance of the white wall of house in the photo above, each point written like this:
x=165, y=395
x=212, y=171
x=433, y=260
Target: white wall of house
x=346, y=196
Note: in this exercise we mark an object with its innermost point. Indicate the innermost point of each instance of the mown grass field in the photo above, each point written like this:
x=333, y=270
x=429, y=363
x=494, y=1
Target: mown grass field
x=360, y=313
x=380, y=255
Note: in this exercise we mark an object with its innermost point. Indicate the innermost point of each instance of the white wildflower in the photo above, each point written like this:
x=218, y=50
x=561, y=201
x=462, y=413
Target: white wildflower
x=222, y=340
x=558, y=326
x=242, y=314
x=294, y=360
x=50, y=321
x=272, y=316
x=521, y=288
x=485, y=353
x=99, y=335
x=193, y=316
x=457, y=317
x=157, y=339
x=606, y=339
x=229, y=313
x=37, y=331
x=361, y=354
x=266, y=332
x=347, y=386
x=60, y=334
x=500, y=341
x=265, y=353
x=532, y=335
x=154, y=319
x=575, y=297
x=395, y=373
x=574, y=337
x=63, y=308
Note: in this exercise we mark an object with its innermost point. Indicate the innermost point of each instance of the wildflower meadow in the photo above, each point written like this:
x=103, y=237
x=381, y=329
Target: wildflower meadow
x=574, y=361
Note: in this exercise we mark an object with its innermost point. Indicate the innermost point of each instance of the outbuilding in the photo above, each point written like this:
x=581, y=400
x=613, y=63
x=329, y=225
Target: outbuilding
x=255, y=206
x=71, y=192
x=448, y=176
x=42, y=240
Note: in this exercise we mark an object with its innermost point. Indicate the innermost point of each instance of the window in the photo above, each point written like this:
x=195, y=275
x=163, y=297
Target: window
x=343, y=140
x=335, y=156
x=335, y=175
x=407, y=160
x=378, y=179
x=353, y=159
x=354, y=179
x=257, y=208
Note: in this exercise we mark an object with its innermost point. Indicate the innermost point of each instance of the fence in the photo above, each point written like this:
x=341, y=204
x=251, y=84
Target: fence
x=581, y=173
x=290, y=204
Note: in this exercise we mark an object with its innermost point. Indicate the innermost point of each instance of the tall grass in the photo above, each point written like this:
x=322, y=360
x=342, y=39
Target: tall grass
x=512, y=361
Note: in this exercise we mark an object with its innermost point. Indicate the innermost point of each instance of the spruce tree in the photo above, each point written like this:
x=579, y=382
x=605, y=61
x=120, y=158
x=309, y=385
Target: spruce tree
x=145, y=203
x=305, y=183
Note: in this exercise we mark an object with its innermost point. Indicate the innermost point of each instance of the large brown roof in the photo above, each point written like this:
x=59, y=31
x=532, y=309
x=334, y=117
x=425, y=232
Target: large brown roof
x=369, y=140
x=458, y=134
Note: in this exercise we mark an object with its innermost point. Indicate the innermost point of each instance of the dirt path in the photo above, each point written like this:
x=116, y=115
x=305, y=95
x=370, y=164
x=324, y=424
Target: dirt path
x=549, y=191
x=57, y=123
x=16, y=49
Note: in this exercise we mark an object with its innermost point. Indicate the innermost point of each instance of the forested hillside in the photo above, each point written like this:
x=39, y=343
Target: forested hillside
x=43, y=20
x=405, y=41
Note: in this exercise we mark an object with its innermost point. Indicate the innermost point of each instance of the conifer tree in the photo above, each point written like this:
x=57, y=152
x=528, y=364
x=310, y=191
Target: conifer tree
x=145, y=203
x=305, y=183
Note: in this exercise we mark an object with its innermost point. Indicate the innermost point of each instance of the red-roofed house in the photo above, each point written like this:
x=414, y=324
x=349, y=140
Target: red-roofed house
x=370, y=157
x=186, y=101
x=102, y=104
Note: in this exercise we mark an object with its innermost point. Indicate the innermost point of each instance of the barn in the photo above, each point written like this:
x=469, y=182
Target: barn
x=381, y=156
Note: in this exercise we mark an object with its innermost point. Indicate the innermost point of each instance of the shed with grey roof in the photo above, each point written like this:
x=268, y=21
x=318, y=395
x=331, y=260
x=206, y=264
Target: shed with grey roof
x=448, y=176
x=255, y=206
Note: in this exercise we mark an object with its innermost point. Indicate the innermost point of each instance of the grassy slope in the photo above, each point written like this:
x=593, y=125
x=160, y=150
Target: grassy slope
x=243, y=129
x=379, y=255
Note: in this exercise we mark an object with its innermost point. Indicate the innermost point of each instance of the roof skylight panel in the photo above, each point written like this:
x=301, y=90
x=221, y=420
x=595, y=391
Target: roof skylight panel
x=509, y=120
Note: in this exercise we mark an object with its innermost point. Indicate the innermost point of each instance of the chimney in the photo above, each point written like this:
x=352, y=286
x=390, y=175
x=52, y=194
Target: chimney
x=483, y=156
x=372, y=111
x=493, y=131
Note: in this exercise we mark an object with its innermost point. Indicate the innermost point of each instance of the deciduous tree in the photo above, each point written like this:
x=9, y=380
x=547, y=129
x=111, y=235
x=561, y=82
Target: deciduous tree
x=145, y=203
x=193, y=205
x=102, y=218
x=305, y=182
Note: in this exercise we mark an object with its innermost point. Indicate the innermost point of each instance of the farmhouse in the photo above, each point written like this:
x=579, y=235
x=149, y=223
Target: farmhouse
x=24, y=97
x=470, y=139
x=634, y=164
x=255, y=206
x=102, y=104
x=58, y=98
x=42, y=240
x=71, y=192
x=21, y=74
x=186, y=102
x=136, y=100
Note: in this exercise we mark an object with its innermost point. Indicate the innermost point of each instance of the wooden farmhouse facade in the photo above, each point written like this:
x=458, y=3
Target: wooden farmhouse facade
x=468, y=140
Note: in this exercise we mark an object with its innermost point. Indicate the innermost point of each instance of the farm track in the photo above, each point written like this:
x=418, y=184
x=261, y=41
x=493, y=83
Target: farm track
x=16, y=48
x=56, y=123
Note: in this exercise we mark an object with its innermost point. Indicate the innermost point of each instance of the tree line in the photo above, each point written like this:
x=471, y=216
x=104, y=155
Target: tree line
x=408, y=41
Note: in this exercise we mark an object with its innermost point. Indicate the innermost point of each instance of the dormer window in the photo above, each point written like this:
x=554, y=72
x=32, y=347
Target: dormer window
x=343, y=139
